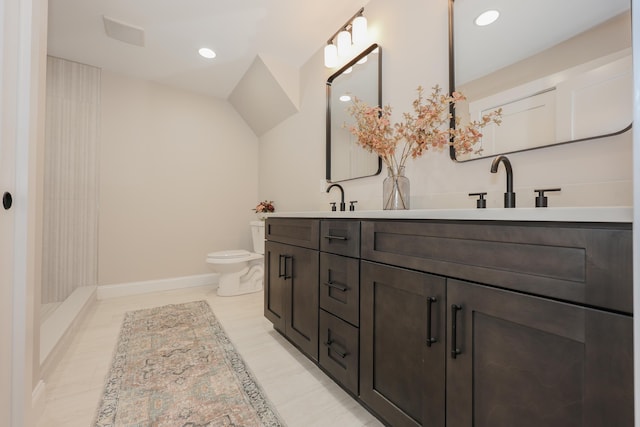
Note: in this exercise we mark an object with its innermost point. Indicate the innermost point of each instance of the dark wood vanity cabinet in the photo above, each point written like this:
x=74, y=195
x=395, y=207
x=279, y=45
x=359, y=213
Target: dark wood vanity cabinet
x=539, y=332
x=402, y=345
x=464, y=323
x=291, y=281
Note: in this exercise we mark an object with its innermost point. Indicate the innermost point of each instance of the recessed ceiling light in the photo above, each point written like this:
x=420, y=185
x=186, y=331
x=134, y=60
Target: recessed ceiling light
x=205, y=52
x=486, y=18
x=345, y=98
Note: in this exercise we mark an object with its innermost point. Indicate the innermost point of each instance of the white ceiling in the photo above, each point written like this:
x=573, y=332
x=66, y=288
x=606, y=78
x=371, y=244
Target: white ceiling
x=288, y=32
x=531, y=26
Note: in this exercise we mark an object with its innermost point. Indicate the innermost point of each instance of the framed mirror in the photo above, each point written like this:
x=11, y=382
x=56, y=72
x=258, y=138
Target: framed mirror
x=560, y=70
x=360, y=78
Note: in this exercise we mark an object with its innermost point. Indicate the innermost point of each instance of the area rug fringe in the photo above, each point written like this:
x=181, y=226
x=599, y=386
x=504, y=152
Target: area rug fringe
x=153, y=411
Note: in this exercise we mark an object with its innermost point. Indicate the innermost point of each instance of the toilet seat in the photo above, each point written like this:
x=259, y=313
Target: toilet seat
x=231, y=256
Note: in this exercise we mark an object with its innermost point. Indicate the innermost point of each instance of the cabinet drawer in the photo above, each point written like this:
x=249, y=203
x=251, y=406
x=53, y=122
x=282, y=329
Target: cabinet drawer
x=340, y=286
x=298, y=232
x=339, y=354
x=340, y=237
x=587, y=263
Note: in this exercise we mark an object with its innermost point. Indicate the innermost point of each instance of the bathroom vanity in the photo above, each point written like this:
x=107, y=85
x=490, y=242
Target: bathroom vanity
x=459, y=318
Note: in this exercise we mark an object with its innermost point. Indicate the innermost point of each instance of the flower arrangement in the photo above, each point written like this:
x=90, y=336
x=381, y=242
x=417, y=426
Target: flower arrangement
x=265, y=207
x=426, y=128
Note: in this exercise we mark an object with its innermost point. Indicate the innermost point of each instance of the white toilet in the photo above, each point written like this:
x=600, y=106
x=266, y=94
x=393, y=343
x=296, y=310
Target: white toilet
x=241, y=272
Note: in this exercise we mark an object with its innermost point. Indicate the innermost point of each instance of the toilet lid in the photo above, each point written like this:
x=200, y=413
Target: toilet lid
x=232, y=254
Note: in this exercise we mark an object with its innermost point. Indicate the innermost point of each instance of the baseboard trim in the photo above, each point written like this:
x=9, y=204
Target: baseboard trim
x=58, y=329
x=136, y=288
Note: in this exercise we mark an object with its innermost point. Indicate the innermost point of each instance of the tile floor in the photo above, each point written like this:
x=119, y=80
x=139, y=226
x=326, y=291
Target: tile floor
x=301, y=393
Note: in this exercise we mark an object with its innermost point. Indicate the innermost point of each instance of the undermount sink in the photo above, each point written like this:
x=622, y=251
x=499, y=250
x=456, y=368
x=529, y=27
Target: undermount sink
x=575, y=214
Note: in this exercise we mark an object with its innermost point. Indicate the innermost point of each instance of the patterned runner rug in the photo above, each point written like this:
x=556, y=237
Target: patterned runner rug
x=175, y=366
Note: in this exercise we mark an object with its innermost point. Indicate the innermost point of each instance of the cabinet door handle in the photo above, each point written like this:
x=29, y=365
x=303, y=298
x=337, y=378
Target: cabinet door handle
x=430, y=338
x=340, y=352
x=455, y=351
x=282, y=266
x=336, y=285
x=280, y=258
x=288, y=276
x=332, y=237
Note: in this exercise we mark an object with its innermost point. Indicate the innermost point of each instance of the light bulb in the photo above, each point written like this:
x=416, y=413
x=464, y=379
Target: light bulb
x=344, y=43
x=359, y=30
x=330, y=56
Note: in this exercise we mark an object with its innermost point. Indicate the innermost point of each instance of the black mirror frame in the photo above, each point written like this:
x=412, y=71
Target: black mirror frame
x=452, y=88
x=364, y=53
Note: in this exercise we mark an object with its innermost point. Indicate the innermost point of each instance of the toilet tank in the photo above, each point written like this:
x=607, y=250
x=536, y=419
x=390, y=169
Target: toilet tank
x=257, y=233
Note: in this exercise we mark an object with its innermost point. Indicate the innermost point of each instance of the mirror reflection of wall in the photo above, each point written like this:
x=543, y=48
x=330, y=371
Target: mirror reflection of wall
x=360, y=78
x=561, y=71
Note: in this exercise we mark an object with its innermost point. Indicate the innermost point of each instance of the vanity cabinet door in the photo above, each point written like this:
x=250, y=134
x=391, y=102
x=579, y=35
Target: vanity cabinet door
x=519, y=360
x=274, y=285
x=291, y=294
x=402, y=345
x=301, y=272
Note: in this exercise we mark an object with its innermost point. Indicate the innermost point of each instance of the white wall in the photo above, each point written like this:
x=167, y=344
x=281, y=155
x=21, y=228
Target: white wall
x=178, y=174
x=414, y=39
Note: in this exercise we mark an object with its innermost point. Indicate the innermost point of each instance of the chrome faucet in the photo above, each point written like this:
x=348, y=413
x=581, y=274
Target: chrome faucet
x=343, y=206
x=509, y=196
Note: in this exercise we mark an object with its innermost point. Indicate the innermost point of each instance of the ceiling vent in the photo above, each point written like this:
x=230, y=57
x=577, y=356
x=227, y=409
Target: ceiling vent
x=124, y=32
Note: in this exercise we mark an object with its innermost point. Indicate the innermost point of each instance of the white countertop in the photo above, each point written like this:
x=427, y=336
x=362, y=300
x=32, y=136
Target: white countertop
x=587, y=214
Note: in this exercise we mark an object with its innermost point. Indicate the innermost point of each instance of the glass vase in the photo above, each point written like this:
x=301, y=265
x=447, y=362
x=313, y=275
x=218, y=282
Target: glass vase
x=395, y=190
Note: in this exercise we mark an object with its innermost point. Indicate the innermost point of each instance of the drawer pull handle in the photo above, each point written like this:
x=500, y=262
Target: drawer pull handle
x=336, y=285
x=340, y=352
x=455, y=351
x=332, y=237
x=430, y=338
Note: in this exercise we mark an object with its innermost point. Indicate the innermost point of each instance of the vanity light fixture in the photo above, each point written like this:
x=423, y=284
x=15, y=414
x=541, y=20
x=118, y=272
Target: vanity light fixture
x=205, y=52
x=487, y=17
x=352, y=33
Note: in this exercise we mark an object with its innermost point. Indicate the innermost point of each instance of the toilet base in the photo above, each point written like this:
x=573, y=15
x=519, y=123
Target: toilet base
x=246, y=281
